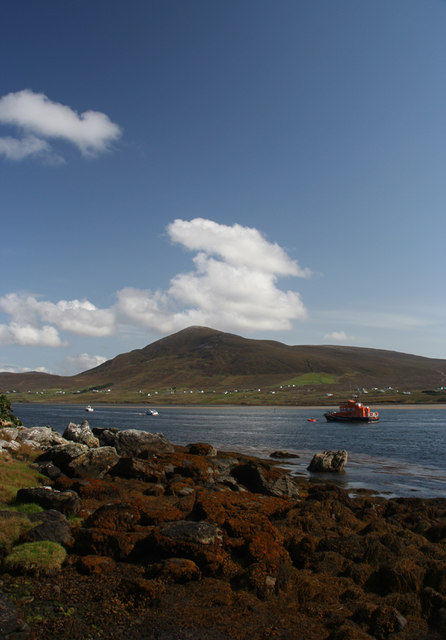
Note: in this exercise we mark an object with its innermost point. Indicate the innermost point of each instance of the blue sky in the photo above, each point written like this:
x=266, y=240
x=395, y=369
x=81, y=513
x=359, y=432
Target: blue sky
x=272, y=169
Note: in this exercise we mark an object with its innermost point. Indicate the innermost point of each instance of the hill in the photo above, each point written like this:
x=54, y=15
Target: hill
x=203, y=358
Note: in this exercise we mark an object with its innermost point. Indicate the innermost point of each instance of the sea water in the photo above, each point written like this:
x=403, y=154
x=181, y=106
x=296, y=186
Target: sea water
x=401, y=455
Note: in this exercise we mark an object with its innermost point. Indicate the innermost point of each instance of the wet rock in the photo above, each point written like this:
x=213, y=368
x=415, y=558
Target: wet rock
x=332, y=461
x=66, y=502
x=263, y=479
x=81, y=433
x=137, y=468
x=283, y=455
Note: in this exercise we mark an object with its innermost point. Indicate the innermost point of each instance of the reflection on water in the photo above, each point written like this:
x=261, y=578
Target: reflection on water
x=401, y=455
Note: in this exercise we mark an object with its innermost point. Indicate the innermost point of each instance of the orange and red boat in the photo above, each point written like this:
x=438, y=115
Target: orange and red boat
x=352, y=411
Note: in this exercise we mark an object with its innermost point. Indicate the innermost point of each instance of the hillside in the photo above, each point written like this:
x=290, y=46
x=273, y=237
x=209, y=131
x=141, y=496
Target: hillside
x=203, y=358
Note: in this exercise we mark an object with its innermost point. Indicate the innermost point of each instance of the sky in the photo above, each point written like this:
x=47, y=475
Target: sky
x=269, y=169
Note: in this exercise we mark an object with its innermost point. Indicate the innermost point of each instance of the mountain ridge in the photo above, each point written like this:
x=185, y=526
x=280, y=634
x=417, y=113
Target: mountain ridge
x=201, y=356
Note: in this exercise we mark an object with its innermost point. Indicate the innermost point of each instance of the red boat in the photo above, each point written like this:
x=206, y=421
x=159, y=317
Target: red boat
x=352, y=411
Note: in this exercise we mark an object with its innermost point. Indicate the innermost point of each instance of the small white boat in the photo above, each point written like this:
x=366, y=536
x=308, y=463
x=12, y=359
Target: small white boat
x=89, y=408
x=152, y=412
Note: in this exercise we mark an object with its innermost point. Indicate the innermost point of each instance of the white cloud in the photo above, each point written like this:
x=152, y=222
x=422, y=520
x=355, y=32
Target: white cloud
x=14, y=369
x=339, y=336
x=80, y=363
x=27, y=335
x=75, y=316
x=233, y=287
x=15, y=149
x=91, y=132
x=237, y=245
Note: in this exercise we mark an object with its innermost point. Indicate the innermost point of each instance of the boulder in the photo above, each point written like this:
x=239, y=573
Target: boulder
x=333, y=461
x=51, y=525
x=132, y=442
x=137, y=468
x=81, y=433
x=61, y=455
x=201, y=449
x=44, y=437
x=260, y=478
x=93, y=463
x=67, y=502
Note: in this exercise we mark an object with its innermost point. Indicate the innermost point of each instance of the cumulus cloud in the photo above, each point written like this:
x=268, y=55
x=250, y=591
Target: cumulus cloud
x=81, y=362
x=232, y=286
x=27, y=335
x=92, y=132
x=236, y=245
x=80, y=317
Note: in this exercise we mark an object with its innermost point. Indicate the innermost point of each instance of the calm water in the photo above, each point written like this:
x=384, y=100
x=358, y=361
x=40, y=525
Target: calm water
x=402, y=455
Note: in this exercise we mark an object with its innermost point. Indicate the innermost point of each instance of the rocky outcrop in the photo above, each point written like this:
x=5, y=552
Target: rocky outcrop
x=332, y=461
x=66, y=502
x=81, y=433
x=184, y=537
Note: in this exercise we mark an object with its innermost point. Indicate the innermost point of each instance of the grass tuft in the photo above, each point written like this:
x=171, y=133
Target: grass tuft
x=44, y=556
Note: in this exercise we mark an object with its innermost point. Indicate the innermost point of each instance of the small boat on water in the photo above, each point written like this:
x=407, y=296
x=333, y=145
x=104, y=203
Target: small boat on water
x=89, y=408
x=311, y=420
x=152, y=412
x=352, y=411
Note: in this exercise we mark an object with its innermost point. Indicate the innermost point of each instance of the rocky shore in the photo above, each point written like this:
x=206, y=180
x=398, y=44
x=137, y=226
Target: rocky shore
x=165, y=542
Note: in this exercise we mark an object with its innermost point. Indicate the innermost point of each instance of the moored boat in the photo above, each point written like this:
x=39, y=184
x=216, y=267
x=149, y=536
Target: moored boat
x=352, y=411
x=152, y=412
x=89, y=408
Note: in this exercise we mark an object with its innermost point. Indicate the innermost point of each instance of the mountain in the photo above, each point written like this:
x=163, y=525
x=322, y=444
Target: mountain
x=203, y=358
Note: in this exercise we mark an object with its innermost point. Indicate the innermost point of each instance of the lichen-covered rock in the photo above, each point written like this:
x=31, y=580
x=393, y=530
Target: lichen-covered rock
x=81, y=433
x=44, y=437
x=261, y=478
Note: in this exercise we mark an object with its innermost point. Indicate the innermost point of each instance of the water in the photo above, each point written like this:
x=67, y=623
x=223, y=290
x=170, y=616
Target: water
x=401, y=455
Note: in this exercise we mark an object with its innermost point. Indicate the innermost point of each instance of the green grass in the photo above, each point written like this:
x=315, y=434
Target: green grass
x=11, y=530
x=44, y=556
x=312, y=378
x=15, y=475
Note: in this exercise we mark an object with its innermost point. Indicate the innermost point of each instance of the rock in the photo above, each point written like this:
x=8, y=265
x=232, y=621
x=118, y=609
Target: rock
x=66, y=502
x=137, y=468
x=93, y=463
x=283, y=454
x=52, y=525
x=61, y=455
x=178, y=570
x=44, y=437
x=141, y=443
x=264, y=479
x=202, y=449
x=203, y=533
x=333, y=461
x=95, y=565
x=81, y=433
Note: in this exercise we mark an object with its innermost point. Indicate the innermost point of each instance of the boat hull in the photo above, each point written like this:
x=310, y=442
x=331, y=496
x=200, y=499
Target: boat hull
x=334, y=418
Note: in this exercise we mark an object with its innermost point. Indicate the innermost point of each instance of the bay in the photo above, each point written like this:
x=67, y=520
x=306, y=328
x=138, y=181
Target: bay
x=401, y=455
